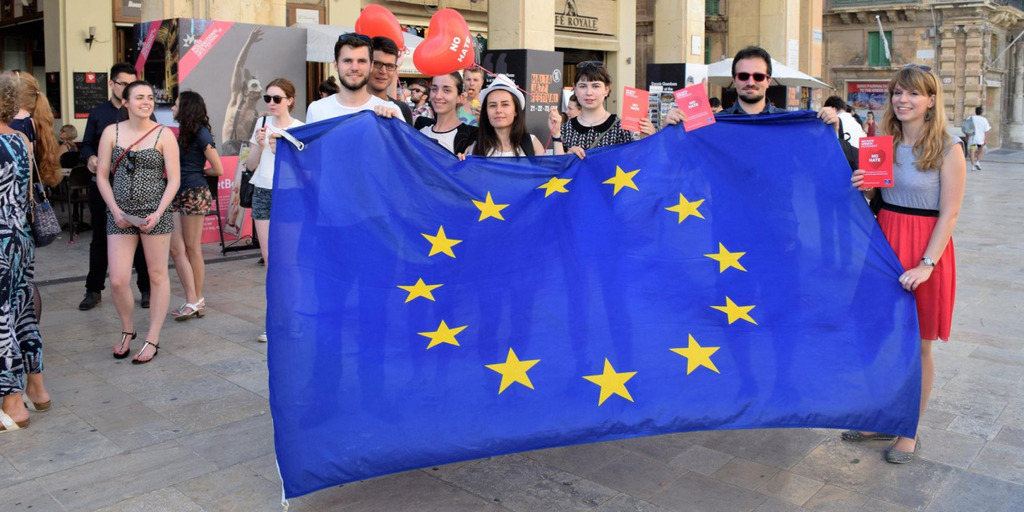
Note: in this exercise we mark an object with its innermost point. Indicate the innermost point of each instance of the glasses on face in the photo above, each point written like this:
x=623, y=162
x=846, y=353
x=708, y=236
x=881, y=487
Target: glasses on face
x=378, y=65
x=417, y=90
x=122, y=84
x=275, y=98
x=918, y=66
x=758, y=77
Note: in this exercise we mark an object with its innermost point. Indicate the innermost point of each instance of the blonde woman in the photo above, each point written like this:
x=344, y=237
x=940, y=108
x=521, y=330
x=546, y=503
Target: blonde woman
x=918, y=216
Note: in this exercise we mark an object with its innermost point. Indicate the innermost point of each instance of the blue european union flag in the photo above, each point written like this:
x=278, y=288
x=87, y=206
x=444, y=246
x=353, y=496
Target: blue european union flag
x=423, y=310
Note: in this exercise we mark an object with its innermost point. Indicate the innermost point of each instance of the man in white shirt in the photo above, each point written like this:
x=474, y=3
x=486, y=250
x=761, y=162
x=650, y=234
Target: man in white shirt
x=385, y=70
x=847, y=122
x=977, y=142
x=353, y=59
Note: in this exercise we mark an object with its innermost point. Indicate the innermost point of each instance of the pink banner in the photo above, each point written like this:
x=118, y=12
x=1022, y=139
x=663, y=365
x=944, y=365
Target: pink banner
x=201, y=47
x=235, y=220
x=147, y=46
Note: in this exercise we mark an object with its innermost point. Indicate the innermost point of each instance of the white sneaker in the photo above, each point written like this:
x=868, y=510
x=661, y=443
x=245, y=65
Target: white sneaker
x=977, y=167
x=262, y=338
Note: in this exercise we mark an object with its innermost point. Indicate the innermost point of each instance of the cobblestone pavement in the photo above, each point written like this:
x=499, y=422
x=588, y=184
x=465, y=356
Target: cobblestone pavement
x=192, y=431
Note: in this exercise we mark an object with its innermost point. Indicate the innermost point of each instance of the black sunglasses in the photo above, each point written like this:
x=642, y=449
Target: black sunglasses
x=130, y=164
x=590, y=64
x=758, y=77
x=275, y=98
x=417, y=89
x=918, y=66
x=353, y=35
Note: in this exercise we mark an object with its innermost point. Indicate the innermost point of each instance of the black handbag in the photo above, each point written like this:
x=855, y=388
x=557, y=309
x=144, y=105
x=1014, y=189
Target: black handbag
x=45, y=227
x=246, y=189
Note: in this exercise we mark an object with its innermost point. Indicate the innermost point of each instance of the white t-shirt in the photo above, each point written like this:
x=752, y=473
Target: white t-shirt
x=445, y=139
x=327, y=108
x=494, y=153
x=852, y=128
x=264, y=175
x=980, y=127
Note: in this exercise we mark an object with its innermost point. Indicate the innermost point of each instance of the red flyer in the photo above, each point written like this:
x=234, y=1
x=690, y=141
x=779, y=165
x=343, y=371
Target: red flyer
x=693, y=101
x=634, y=108
x=876, y=160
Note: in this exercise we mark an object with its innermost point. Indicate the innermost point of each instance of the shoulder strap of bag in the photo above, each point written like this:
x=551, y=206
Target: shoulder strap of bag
x=113, y=168
x=601, y=135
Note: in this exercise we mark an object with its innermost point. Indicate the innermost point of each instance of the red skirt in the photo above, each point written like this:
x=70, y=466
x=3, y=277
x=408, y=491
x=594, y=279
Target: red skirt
x=908, y=235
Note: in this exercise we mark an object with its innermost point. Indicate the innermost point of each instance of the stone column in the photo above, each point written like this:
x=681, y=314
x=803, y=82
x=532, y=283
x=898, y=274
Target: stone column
x=1016, y=128
x=676, y=26
x=521, y=24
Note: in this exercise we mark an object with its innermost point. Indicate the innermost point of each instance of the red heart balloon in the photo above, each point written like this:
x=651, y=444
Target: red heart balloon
x=448, y=46
x=376, y=21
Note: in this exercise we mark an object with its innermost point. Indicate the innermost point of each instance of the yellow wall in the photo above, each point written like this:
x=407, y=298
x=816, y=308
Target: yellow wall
x=66, y=25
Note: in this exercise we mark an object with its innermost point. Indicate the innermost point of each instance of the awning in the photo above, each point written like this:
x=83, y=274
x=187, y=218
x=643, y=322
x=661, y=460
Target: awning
x=320, y=41
x=720, y=73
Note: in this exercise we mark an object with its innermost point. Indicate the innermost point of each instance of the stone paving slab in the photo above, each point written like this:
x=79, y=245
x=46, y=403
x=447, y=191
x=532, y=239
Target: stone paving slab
x=192, y=431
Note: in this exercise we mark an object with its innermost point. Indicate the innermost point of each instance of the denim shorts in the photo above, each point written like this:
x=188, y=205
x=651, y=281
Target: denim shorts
x=261, y=203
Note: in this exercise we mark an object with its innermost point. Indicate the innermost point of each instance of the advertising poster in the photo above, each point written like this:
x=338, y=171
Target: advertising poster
x=867, y=96
x=539, y=74
x=229, y=65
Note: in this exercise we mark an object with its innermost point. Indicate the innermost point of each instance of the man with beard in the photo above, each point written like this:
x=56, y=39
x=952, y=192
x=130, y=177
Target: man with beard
x=385, y=69
x=751, y=75
x=352, y=60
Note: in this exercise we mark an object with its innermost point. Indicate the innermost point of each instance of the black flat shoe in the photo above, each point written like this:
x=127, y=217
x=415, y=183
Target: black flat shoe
x=156, y=350
x=145, y=300
x=126, y=344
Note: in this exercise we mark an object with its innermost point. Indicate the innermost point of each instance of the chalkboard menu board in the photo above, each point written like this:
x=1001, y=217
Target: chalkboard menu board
x=53, y=92
x=89, y=89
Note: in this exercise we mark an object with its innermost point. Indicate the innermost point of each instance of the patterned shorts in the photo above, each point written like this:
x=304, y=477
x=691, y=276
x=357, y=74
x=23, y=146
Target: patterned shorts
x=261, y=203
x=193, y=201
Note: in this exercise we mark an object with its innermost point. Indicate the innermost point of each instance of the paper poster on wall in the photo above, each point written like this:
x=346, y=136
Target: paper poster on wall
x=867, y=96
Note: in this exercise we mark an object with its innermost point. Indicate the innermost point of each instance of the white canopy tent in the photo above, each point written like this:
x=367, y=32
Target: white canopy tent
x=320, y=41
x=720, y=73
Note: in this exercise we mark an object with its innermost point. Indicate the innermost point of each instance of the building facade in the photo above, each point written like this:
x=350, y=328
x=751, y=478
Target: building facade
x=968, y=44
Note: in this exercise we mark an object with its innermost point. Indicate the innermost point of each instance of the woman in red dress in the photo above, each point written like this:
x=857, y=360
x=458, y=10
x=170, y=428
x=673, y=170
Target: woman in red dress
x=918, y=216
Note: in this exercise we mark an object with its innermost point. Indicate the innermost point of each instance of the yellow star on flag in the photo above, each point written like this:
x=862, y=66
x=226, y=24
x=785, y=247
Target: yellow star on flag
x=686, y=208
x=513, y=370
x=726, y=259
x=441, y=243
x=735, y=312
x=622, y=179
x=489, y=209
x=420, y=289
x=555, y=184
x=611, y=383
x=443, y=334
x=697, y=356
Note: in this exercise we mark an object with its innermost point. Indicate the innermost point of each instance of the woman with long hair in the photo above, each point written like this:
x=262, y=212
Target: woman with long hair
x=918, y=216
x=870, y=126
x=139, y=152
x=192, y=203
x=280, y=99
x=502, y=130
x=34, y=117
x=21, y=349
x=446, y=128
x=593, y=126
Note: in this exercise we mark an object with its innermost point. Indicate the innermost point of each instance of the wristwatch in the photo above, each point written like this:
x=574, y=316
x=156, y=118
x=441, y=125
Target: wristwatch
x=928, y=261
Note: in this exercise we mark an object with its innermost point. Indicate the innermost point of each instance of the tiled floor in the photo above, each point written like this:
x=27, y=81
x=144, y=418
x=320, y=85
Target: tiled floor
x=192, y=431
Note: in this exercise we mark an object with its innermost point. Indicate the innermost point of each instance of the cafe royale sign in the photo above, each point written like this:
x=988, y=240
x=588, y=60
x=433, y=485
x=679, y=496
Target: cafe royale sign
x=589, y=16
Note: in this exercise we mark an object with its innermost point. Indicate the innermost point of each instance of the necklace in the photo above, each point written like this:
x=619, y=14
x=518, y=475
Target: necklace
x=589, y=124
